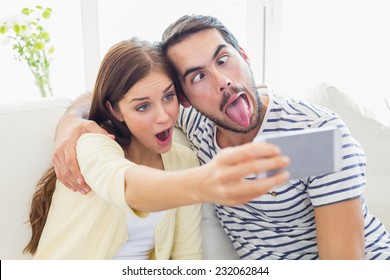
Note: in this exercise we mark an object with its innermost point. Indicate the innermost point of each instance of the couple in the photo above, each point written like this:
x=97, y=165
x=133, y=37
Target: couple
x=137, y=211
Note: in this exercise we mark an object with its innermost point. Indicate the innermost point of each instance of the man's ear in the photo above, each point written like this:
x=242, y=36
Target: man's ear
x=244, y=55
x=116, y=115
x=184, y=102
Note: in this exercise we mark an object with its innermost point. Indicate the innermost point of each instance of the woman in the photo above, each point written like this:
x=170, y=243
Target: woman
x=134, y=99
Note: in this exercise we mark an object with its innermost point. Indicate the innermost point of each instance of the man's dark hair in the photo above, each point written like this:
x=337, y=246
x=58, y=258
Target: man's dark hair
x=190, y=24
x=186, y=26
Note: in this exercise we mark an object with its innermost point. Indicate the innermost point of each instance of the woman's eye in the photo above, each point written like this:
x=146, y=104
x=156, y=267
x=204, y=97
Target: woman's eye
x=223, y=60
x=198, y=77
x=142, y=107
x=169, y=96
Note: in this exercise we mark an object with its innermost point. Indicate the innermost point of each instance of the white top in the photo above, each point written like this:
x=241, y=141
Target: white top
x=140, y=236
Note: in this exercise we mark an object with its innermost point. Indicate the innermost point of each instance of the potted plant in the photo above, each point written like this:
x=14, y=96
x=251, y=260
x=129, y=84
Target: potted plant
x=30, y=40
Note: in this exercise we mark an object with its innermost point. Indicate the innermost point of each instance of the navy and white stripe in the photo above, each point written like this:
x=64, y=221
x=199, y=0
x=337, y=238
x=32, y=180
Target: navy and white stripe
x=283, y=226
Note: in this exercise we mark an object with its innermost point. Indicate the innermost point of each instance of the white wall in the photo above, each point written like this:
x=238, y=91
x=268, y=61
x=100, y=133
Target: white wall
x=344, y=42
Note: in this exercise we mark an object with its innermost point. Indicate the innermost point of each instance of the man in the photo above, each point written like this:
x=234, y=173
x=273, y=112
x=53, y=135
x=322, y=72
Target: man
x=317, y=217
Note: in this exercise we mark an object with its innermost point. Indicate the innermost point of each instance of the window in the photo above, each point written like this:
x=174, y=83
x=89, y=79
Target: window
x=83, y=30
x=121, y=19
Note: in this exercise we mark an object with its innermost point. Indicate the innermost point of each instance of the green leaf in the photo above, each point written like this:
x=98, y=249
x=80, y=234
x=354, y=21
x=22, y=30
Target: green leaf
x=45, y=36
x=39, y=46
x=17, y=29
x=3, y=29
x=46, y=14
x=26, y=11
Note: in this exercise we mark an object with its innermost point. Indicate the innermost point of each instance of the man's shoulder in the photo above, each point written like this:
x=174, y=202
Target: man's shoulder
x=196, y=126
x=298, y=106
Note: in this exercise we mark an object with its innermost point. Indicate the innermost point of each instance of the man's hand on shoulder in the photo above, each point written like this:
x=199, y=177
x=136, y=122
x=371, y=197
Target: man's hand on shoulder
x=69, y=130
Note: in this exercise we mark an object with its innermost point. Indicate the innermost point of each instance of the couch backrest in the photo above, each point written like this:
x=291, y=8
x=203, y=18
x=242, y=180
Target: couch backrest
x=26, y=146
x=373, y=133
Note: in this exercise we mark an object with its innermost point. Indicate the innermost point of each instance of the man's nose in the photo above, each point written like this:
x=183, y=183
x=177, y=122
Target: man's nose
x=223, y=81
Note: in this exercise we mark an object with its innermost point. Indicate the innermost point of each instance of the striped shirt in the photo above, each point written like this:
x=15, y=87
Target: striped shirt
x=282, y=226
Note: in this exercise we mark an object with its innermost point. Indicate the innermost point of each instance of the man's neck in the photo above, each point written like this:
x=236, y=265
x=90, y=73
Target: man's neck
x=227, y=138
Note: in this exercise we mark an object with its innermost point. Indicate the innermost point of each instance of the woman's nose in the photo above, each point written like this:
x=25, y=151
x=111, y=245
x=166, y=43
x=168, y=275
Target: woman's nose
x=162, y=115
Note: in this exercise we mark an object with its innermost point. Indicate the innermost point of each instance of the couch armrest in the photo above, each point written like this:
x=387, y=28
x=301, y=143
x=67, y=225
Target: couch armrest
x=26, y=146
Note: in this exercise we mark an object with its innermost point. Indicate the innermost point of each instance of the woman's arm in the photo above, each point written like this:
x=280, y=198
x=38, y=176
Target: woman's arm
x=145, y=189
x=340, y=230
x=219, y=181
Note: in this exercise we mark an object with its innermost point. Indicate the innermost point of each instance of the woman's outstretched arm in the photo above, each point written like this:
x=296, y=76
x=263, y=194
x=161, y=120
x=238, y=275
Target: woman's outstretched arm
x=145, y=189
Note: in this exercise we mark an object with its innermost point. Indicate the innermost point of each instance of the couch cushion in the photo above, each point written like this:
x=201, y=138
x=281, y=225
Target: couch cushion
x=26, y=147
x=372, y=130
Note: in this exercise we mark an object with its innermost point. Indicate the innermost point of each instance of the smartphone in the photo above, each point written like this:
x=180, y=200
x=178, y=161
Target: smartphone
x=312, y=152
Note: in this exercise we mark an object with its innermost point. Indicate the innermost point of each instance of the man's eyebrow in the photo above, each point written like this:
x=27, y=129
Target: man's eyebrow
x=190, y=70
x=218, y=50
x=194, y=69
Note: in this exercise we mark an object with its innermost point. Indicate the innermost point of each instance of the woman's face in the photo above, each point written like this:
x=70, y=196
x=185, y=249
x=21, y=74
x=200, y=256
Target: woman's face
x=150, y=110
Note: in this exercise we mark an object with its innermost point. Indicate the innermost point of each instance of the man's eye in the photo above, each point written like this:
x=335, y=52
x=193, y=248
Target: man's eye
x=223, y=60
x=198, y=77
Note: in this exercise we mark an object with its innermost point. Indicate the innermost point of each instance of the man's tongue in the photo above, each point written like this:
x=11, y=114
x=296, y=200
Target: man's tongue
x=238, y=111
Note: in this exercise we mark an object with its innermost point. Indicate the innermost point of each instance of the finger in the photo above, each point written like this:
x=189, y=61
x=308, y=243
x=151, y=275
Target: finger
x=112, y=136
x=93, y=127
x=238, y=171
x=248, y=152
x=76, y=179
x=67, y=170
x=71, y=182
x=63, y=179
x=250, y=189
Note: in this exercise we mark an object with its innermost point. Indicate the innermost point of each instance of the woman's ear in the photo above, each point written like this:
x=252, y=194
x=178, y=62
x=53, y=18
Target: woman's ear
x=116, y=115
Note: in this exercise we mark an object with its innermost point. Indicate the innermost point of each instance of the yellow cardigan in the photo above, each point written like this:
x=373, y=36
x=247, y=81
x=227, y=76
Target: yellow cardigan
x=94, y=226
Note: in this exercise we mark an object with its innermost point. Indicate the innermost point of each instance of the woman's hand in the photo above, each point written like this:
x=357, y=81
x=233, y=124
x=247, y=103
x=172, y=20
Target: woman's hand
x=221, y=181
x=224, y=177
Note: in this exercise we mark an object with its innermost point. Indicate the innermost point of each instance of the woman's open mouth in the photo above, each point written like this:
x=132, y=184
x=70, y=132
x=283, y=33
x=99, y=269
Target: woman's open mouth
x=164, y=137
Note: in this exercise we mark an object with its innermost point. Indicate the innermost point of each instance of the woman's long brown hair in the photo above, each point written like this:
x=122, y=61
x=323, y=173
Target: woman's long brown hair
x=125, y=64
x=40, y=208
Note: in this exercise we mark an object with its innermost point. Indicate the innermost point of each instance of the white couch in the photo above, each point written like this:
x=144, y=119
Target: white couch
x=26, y=148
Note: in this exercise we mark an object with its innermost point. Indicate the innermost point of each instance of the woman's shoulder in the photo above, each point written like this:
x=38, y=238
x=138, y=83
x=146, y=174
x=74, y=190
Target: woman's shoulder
x=179, y=157
x=92, y=145
x=97, y=140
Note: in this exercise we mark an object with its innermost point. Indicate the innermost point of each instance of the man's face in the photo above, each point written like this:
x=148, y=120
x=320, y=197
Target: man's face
x=217, y=80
